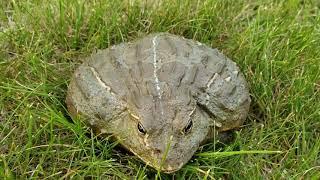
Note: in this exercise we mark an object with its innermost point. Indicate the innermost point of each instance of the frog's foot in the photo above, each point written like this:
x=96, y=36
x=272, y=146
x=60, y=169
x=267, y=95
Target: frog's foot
x=225, y=137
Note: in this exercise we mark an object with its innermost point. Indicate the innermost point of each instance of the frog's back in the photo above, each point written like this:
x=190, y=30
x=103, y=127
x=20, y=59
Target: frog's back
x=129, y=71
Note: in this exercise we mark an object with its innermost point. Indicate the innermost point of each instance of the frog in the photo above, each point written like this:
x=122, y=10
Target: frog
x=161, y=97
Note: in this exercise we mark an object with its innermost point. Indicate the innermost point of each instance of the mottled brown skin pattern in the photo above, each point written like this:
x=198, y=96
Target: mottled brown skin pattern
x=161, y=96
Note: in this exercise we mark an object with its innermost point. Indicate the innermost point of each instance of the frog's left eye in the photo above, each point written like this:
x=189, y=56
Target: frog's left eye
x=141, y=129
x=188, y=127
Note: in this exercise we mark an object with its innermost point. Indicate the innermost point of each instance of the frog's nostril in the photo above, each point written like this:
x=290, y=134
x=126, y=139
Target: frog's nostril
x=157, y=151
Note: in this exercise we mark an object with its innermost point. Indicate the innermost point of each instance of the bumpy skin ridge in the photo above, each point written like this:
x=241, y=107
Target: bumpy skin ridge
x=162, y=82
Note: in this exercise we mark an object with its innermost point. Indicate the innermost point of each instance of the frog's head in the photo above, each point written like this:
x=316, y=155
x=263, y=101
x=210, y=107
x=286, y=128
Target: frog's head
x=164, y=133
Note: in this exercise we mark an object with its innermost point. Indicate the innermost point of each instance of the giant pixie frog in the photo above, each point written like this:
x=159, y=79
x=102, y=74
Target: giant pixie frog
x=161, y=97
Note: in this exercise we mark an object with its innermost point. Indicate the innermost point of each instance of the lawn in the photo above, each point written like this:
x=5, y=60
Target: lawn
x=275, y=43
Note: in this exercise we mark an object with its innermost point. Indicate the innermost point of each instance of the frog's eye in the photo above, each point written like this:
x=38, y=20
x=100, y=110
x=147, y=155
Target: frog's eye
x=141, y=129
x=188, y=127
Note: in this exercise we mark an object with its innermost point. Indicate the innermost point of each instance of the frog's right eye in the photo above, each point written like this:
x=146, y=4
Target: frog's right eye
x=188, y=127
x=141, y=129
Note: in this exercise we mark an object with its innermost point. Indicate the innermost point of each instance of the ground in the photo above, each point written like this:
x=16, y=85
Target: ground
x=274, y=42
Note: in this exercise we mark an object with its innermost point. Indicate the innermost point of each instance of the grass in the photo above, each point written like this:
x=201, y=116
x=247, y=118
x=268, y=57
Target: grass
x=275, y=43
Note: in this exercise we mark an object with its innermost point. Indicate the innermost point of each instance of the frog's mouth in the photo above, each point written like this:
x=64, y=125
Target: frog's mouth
x=169, y=164
x=164, y=165
x=170, y=169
